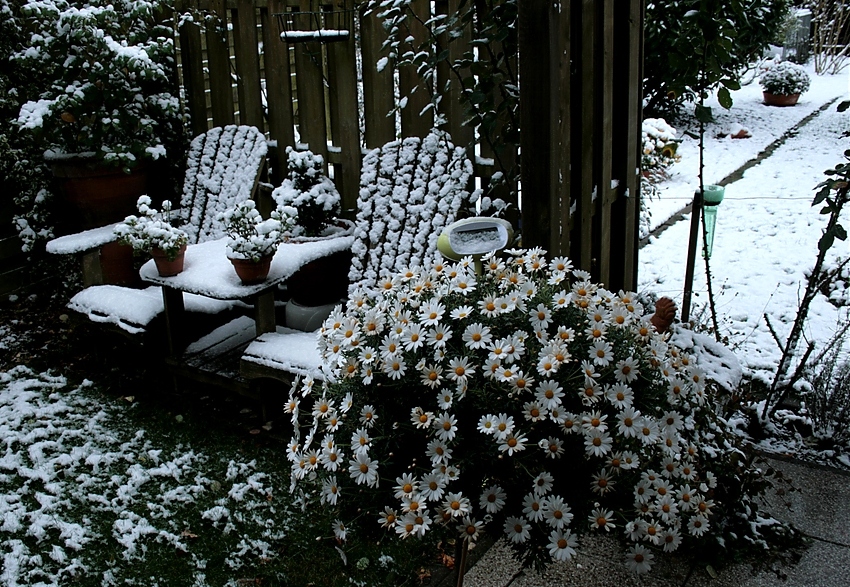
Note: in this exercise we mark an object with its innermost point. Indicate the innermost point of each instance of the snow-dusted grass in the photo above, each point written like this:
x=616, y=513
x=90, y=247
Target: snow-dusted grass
x=93, y=493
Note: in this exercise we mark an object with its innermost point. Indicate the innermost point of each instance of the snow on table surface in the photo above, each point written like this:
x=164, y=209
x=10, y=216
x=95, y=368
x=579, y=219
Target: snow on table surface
x=766, y=241
x=82, y=241
x=723, y=155
x=287, y=350
x=208, y=272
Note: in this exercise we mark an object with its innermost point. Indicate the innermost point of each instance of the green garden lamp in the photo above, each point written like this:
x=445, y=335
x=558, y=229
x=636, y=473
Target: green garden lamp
x=476, y=237
x=712, y=196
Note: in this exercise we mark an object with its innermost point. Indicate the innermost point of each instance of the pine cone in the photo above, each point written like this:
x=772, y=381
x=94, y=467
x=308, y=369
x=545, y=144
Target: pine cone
x=665, y=315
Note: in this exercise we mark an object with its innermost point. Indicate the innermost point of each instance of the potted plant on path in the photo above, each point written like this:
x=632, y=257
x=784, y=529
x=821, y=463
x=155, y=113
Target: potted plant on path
x=253, y=241
x=152, y=232
x=111, y=104
x=317, y=202
x=783, y=83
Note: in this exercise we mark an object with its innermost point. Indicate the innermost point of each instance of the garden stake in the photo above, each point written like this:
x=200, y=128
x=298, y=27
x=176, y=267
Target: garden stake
x=696, y=213
x=461, y=552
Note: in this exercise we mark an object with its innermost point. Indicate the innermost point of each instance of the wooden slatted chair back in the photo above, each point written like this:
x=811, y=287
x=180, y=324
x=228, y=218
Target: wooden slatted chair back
x=410, y=190
x=223, y=169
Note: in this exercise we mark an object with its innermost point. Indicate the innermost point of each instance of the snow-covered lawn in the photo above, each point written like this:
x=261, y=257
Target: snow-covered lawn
x=767, y=230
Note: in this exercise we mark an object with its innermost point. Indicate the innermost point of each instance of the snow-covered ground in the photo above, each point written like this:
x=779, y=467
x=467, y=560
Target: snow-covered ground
x=767, y=231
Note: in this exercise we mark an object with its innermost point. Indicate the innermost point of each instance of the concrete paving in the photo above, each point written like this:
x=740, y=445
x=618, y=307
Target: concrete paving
x=818, y=507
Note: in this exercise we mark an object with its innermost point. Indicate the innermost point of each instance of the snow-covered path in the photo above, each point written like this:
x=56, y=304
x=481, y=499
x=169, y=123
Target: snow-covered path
x=766, y=240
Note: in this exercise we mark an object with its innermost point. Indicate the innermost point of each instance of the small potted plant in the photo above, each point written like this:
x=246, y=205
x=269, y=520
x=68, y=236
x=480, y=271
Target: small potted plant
x=152, y=232
x=315, y=198
x=783, y=83
x=313, y=195
x=110, y=105
x=253, y=241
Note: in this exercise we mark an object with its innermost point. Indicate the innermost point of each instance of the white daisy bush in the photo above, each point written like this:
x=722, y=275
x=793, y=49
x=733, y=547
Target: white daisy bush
x=785, y=78
x=151, y=229
x=524, y=401
x=249, y=235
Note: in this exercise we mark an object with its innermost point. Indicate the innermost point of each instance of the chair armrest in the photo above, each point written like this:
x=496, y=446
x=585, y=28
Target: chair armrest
x=82, y=241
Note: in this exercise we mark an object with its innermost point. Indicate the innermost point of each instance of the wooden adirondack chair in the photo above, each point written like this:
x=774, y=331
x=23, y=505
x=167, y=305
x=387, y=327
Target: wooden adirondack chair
x=409, y=191
x=223, y=168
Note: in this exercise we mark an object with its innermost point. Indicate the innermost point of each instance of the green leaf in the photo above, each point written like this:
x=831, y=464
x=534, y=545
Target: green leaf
x=844, y=105
x=703, y=113
x=826, y=241
x=821, y=196
x=840, y=233
x=724, y=98
x=732, y=84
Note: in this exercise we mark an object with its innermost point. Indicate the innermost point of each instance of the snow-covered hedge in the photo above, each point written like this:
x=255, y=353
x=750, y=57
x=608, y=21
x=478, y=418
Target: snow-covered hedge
x=310, y=192
x=785, y=78
x=112, y=91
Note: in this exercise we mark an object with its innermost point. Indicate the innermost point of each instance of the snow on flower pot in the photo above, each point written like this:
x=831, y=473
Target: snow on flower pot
x=168, y=267
x=250, y=271
x=780, y=99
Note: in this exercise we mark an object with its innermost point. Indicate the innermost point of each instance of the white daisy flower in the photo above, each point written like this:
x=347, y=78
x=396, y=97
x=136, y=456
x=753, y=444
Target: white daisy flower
x=460, y=369
x=432, y=376
x=456, y=505
x=601, y=520
x=512, y=444
x=477, y=336
x=333, y=422
x=433, y=486
x=487, y=306
x=406, y=486
x=540, y=317
x=420, y=418
x=562, y=545
x=556, y=512
x=620, y=395
x=639, y=559
x=394, y=367
x=667, y=509
x=591, y=393
x=470, y=528
x=413, y=337
x=533, y=412
x=364, y=470
x=486, y=424
x=671, y=538
x=438, y=451
x=532, y=507
x=601, y=353
x=502, y=426
x=461, y=312
x=430, y=313
x=554, y=447
x=368, y=416
x=446, y=425
x=543, y=483
x=390, y=347
x=601, y=483
x=412, y=503
x=626, y=370
x=388, y=518
x=331, y=457
x=517, y=529
x=698, y=525
x=339, y=530
x=492, y=499
x=629, y=422
x=360, y=442
x=594, y=421
x=521, y=382
x=438, y=336
x=330, y=490
x=445, y=399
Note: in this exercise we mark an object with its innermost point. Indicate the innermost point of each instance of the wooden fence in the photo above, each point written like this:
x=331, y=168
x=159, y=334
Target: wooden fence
x=580, y=63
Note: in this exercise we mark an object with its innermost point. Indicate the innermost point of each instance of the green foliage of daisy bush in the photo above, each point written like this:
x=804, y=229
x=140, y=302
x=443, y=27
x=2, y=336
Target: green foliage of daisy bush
x=522, y=401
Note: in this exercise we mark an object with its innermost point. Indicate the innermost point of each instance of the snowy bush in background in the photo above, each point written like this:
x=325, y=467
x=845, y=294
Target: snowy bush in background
x=310, y=192
x=525, y=402
x=111, y=91
x=785, y=78
x=658, y=152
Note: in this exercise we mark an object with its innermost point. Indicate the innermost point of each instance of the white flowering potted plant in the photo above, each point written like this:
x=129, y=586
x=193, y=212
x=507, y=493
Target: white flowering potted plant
x=252, y=240
x=152, y=232
x=783, y=83
x=525, y=402
x=111, y=104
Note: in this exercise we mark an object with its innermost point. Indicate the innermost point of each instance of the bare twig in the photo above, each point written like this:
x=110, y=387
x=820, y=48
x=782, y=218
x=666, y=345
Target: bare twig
x=772, y=331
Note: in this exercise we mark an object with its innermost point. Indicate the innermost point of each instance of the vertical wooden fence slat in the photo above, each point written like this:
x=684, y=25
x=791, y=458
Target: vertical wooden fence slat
x=309, y=84
x=191, y=58
x=535, y=121
x=553, y=239
x=634, y=48
x=278, y=88
x=247, y=64
x=564, y=218
x=345, y=121
x=451, y=105
x=584, y=113
x=412, y=124
x=218, y=55
x=378, y=86
x=607, y=194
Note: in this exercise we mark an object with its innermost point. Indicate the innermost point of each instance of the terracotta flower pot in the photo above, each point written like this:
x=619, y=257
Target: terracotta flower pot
x=96, y=194
x=165, y=267
x=250, y=272
x=780, y=99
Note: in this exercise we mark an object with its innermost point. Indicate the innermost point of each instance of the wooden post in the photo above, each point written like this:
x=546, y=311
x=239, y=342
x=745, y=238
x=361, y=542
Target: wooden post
x=563, y=181
x=378, y=100
x=536, y=120
x=693, y=243
x=191, y=59
x=585, y=113
x=278, y=89
x=309, y=78
x=410, y=84
x=218, y=57
x=605, y=191
x=345, y=120
x=247, y=64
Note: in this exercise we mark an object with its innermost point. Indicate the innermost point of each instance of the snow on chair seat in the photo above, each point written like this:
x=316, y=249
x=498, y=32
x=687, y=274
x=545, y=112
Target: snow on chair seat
x=133, y=309
x=410, y=190
x=286, y=351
